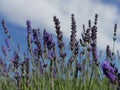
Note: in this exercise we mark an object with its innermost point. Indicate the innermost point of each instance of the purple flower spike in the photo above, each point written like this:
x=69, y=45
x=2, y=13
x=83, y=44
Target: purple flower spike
x=48, y=40
x=4, y=26
x=28, y=23
x=8, y=44
x=109, y=70
x=4, y=50
x=16, y=59
x=52, y=56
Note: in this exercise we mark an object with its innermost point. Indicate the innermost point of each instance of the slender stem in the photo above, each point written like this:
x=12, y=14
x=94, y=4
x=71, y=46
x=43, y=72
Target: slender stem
x=113, y=46
x=90, y=80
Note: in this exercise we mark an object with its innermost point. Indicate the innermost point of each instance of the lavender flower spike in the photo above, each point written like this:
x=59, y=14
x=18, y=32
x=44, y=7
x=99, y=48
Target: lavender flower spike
x=4, y=50
x=8, y=44
x=28, y=23
x=109, y=71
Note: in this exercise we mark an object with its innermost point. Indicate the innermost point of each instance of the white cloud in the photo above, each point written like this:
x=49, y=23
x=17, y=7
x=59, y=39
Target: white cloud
x=41, y=13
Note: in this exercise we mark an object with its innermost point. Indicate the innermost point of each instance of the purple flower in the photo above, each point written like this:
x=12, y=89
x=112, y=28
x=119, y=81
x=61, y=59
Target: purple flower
x=16, y=59
x=8, y=44
x=57, y=24
x=63, y=54
x=5, y=29
x=115, y=34
x=35, y=34
x=73, y=33
x=48, y=40
x=28, y=23
x=76, y=49
x=109, y=70
x=52, y=56
x=59, y=33
x=4, y=50
x=4, y=26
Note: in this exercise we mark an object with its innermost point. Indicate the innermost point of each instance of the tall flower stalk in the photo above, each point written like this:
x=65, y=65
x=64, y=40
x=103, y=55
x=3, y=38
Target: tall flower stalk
x=61, y=44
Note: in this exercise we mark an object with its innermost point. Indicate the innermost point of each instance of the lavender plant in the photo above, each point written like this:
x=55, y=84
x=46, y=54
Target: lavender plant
x=47, y=65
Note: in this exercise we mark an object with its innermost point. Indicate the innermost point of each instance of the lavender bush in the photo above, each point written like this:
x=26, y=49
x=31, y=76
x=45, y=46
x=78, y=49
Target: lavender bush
x=47, y=65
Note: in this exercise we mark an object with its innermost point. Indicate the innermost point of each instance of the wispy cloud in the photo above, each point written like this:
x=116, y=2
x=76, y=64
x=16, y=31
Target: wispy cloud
x=40, y=12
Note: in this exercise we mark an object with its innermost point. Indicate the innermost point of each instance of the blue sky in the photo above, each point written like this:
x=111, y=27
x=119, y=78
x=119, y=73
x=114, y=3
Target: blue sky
x=41, y=13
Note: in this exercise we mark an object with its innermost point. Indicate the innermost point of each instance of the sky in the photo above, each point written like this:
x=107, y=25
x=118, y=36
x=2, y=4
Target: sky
x=41, y=12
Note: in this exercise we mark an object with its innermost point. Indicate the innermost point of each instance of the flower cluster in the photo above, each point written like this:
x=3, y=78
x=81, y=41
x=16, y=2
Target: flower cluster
x=110, y=71
x=73, y=33
x=48, y=40
x=94, y=40
x=61, y=44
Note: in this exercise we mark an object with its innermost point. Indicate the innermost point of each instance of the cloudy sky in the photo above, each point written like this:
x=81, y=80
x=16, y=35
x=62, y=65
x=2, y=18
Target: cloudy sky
x=41, y=12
